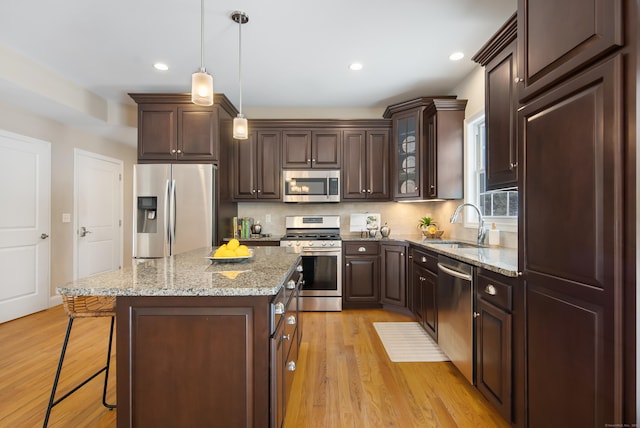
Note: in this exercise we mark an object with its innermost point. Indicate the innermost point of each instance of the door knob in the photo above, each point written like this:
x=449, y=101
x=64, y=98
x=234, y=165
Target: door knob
x=84, y=231
x=44, y=236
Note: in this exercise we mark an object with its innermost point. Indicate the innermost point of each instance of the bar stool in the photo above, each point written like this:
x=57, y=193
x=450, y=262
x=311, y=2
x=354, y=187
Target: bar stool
x=84, y=307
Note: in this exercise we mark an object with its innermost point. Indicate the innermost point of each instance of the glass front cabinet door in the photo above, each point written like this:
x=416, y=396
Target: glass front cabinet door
x=407, y=149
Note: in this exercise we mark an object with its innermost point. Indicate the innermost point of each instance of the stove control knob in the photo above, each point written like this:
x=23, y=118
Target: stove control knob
x=324, y=244
x=297, y=244
x=310, y=243
x=332, y=243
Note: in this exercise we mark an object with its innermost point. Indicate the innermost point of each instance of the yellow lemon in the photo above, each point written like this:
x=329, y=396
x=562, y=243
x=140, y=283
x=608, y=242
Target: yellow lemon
x=242, y=250
x=233, y=244
x=228, y=253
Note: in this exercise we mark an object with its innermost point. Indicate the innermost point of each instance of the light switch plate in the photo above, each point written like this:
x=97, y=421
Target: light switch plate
x=267, y=218
x=66, y=218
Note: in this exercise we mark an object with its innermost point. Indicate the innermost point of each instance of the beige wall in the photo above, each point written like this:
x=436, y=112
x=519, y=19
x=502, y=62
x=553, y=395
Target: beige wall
x=63, y=141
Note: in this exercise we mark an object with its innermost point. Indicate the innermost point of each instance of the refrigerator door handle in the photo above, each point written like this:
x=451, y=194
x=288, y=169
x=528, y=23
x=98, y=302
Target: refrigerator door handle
x=172, y=232
x=167, y=218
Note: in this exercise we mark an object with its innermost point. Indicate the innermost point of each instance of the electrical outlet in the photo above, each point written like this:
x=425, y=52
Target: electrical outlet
x=66, y=218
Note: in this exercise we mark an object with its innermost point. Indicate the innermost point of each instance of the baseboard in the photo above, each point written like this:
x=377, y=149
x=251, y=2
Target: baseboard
x=55, y=301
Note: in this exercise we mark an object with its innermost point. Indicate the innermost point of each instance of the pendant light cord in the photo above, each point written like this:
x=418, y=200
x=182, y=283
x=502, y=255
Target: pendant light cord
x=202, y=35
x=240, y=59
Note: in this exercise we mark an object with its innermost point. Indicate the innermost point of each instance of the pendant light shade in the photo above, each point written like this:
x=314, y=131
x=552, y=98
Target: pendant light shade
x=240, y=127
x=201, y=81
x=202, y=88
x=240, y=124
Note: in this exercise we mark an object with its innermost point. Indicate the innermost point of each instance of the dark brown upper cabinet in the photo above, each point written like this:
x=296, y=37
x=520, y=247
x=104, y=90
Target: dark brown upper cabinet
x=303, y=149
x=365, y=170
x=556, y=39
x=172, y=129
x=444, y=125
x=427, y=148
x=500, y=60
x=256, y=162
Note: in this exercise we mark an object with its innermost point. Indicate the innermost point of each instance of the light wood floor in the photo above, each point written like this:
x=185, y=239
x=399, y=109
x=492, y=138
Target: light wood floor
x=344, y=377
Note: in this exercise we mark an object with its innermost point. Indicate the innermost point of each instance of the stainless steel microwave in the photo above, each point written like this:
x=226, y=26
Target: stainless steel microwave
x=311, y=185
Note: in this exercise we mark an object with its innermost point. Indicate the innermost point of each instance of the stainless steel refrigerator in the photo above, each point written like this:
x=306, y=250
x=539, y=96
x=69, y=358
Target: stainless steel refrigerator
x=174, y=208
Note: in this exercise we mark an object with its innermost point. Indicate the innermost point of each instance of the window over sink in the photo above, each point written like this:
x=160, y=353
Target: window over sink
x=497, y=206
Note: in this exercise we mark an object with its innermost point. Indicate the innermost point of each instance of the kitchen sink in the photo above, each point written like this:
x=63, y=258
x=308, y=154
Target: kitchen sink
x=456, y=244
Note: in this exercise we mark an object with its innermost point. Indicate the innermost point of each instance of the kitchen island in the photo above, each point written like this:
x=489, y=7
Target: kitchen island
x=195, y=340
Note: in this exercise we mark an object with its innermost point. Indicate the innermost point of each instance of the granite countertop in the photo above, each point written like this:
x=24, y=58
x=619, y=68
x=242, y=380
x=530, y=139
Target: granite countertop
x=500, y=260
x=192, y=274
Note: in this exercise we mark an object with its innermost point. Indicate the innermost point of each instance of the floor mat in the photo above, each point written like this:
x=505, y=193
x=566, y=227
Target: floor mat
x=407, y=342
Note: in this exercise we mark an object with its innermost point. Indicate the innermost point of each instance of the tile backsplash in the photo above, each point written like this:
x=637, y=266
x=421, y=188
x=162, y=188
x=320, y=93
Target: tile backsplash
x=402, y=218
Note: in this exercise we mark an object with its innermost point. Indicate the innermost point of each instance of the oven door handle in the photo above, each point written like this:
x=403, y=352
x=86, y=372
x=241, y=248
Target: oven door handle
x=320, y=250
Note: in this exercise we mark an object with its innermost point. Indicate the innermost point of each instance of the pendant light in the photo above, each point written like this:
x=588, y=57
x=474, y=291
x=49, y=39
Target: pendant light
x=201, y=81
x=240, y=124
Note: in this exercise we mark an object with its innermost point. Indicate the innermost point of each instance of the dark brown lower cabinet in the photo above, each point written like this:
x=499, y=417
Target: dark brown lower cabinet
x=193, y=361
x=424, y=290
x=494, y=340
x=393, y=274
x=361, y=276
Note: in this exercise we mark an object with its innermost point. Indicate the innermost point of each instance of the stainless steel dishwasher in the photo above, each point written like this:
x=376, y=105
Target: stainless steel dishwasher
x=455, y=313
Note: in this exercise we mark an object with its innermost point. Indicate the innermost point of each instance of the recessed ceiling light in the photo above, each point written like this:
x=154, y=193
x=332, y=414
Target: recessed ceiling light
x=161, y=66
x=355, y=66
x=456, y=56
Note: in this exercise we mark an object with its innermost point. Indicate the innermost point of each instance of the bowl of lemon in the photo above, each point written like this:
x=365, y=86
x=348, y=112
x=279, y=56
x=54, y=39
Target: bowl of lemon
x=231, y=252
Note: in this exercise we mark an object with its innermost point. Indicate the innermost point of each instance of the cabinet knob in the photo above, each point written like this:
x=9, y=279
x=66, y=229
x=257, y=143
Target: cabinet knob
x=432, y=187
x=253, y=190
x=401, y=254
x=279, y=308
x=347, y=265
x=291, y=320
x=518, y=79
x=299, y=268
x=368, y=190
x=476, y=314
x=410, y=256
x=291, y=284
x=259, y=191
x=179, y=151
x=313, y=160
x=423, y=259
x=291, y=366
x=173, y=150
x=417, y=188
x=308, y=160
x=286, y=337
x=362, y=250
x=490, y=290
x=363, y=191
x=513, y=165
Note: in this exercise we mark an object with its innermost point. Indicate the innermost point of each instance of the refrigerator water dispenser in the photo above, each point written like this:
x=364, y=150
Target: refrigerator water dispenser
x=147, y=214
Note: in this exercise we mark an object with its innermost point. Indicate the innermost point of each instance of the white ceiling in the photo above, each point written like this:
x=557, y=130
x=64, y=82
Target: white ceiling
x=76, y=60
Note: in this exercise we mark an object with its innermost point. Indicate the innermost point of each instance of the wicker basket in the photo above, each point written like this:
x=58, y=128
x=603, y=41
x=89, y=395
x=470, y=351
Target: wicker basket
x=436, y=234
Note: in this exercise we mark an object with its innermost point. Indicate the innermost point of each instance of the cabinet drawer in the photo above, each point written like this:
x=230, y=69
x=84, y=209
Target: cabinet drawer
x=498, y=292
x=360, y=248
x=425, y=259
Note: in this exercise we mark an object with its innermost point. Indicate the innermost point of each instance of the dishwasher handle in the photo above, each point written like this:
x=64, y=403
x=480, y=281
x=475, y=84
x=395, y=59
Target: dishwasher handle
x=455, y=273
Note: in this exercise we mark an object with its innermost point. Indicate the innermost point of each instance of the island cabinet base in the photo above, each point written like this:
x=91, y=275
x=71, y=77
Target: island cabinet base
x=193, y=361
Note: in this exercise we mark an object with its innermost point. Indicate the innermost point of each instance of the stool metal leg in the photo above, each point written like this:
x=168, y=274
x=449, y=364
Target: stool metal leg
x=106, y=374
x=52, y=401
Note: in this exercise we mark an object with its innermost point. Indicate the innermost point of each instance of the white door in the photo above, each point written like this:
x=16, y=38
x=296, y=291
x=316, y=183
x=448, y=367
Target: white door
x=98, y=219
x=25, y=222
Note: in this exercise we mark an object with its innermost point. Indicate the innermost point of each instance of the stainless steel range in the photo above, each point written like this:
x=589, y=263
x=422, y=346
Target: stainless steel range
x=317, y=238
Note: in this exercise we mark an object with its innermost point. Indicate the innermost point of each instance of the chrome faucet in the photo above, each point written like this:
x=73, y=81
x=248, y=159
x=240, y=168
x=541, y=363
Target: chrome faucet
x=481, y=229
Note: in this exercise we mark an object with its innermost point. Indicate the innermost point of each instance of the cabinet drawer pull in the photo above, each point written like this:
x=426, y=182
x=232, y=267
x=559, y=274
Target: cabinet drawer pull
x=476, y=314
x=490, y=290
x=362, y=250
x=286, y=337
x=291, y=366
x=423, y=259
x=291, y=284
x=291, y=320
